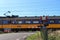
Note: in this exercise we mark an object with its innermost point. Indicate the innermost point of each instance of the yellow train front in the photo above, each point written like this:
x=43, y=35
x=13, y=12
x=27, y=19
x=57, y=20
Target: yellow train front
x=15, y=23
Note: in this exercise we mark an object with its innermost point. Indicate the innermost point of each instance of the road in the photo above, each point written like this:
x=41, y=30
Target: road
x=15, y=36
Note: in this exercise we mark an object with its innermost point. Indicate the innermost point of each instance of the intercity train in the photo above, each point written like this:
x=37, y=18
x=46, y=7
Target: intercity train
x=15, y=23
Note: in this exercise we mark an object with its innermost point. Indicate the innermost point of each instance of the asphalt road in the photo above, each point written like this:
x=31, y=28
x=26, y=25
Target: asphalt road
x=15, y=36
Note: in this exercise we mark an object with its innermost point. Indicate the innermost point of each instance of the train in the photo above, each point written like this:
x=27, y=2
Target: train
x=16, y=23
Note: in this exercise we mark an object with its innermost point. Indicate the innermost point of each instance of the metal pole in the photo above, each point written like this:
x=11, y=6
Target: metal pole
x=44, y=33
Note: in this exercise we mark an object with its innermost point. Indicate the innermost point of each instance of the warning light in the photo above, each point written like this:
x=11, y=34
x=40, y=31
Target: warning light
x=43, y=17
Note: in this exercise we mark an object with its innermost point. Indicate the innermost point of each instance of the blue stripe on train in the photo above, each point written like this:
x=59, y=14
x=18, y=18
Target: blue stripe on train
x=56, y=21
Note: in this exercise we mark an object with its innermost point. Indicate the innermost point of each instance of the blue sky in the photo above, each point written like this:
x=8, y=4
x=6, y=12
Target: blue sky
x=30, y=7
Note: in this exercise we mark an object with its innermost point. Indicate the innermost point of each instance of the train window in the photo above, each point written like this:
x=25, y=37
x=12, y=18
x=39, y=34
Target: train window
x=35, y=21
x=5, y=21
x=14, y=22
x=0, y=21
x=51, y=21
x=19, y=22
x=59, y=21
x=40, y=21
x=27, y=21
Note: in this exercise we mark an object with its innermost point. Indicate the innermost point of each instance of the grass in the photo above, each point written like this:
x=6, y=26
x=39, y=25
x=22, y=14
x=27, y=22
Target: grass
x=51, y=36
x=54, y=36
x=34, y=36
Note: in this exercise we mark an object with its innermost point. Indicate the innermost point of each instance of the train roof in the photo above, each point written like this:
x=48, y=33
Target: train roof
x=30, y=17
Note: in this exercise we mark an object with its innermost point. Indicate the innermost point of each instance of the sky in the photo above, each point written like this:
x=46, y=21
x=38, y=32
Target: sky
x=30, y=7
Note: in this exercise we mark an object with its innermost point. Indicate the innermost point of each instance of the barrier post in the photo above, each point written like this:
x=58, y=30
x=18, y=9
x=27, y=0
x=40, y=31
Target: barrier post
x=43, y=29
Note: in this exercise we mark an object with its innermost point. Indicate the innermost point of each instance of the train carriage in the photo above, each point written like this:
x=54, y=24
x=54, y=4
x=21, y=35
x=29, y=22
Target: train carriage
x=14, y=23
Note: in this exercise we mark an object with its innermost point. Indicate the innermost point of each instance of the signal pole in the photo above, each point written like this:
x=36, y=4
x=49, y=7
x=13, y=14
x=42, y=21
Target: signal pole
x=44, y=31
